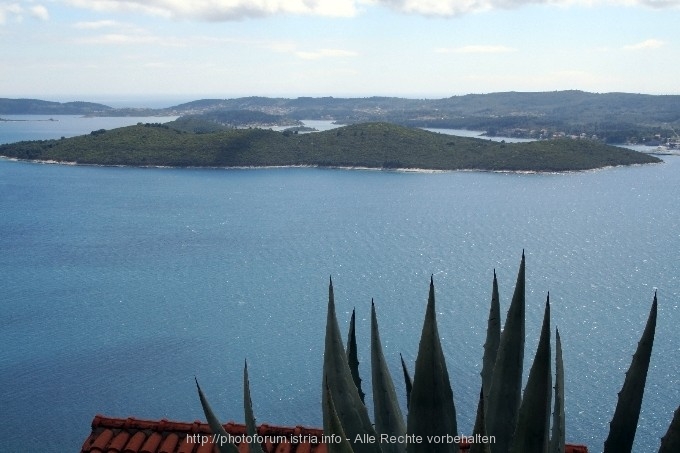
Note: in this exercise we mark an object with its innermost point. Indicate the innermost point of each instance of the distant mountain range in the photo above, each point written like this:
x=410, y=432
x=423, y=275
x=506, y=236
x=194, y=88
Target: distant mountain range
x=610, y=117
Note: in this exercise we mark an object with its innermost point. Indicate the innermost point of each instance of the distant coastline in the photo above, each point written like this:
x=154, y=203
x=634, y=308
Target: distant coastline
x=11, y=119
x=612, y=118
x=348, y=168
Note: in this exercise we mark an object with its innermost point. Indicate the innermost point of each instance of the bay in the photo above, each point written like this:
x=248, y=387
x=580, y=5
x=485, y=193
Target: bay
x=119, y=285
x=14, y=128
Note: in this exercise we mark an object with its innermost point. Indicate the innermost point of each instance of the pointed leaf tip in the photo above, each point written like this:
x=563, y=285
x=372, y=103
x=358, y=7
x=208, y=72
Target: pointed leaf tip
x=215, y=425
x=352, y=354
x=533, y=421
x=338, y=376
x=505, y=391
x=387, y=417
x=431, y=406
x=624, y=422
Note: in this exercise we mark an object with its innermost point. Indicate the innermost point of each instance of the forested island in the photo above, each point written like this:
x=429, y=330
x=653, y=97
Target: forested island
x=190, y=142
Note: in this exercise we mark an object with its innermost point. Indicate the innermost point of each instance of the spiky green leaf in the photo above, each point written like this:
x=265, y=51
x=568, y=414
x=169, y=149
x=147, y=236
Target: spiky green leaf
x=215, y=425
x=493, y=338
x=531, y=433
x=334, y=429
x=670, y=442
x=337, y=376
x=386, y=411
x=432, y=411
x=558, y=435
x=407, y=382
x=505, y=392
x=251, y=427
x=624, y=423
x=353, y=356
x=479, y=431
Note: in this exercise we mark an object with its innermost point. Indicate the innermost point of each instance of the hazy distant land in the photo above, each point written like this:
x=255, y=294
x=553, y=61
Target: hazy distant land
x=613, y=118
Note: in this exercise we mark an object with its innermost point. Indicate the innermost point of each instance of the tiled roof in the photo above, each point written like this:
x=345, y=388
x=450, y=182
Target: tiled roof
x=130, y=435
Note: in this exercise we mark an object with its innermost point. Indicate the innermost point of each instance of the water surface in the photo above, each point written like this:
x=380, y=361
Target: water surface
x=122, y=284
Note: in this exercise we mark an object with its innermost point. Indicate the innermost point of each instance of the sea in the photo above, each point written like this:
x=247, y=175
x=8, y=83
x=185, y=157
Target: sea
x=120, y=286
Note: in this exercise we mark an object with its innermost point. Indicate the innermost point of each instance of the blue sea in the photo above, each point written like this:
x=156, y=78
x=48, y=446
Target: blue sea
x=14, y=128
x=120, y=285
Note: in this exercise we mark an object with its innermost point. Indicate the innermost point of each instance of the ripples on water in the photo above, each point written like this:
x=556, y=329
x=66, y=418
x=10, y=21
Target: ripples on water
x=120, y=285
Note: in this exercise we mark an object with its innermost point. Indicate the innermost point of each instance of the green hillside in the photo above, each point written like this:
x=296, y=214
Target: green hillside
x=373, y=145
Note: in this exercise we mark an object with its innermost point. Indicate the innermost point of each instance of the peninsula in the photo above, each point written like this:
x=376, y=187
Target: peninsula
x=378, y=145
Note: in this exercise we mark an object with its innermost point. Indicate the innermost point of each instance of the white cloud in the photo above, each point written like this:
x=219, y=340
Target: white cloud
x=15, y=11
x=325, y=53
x=223, y=10
x=95, y=25
x=8, y=10
x=39, y=12
x=226, y=10
x=476, y=49
x=131, y=37
x=645, y=45
x=452, y=8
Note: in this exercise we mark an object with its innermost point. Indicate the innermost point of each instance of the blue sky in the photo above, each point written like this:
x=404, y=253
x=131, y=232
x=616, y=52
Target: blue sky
x=181, y=49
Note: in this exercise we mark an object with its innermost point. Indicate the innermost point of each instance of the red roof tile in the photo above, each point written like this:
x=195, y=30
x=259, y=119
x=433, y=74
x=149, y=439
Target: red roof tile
x=117, y=435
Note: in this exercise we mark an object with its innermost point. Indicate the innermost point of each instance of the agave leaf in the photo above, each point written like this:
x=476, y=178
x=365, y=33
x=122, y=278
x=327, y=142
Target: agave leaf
x=557, y=439
x=531, y=433
x=479, y=431
x=493, y=338
x=386, y=412
x=432, y=411
x=353, y=357
x=337, y=376
x=623, y=424
x=215, y=425
x=334, y=427
x=407, y=381
x=670, y=442
x=506, y=383
x=251, y=427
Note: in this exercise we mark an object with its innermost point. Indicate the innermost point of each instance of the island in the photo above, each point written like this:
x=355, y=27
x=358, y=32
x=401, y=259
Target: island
x=375, y=145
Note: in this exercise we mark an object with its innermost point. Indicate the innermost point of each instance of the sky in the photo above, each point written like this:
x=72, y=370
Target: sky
x=182, y=50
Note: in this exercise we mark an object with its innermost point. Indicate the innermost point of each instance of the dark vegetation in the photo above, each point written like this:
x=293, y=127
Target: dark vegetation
x=190, y=142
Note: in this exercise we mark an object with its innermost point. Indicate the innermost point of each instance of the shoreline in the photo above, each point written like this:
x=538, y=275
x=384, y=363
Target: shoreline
x=358, y=168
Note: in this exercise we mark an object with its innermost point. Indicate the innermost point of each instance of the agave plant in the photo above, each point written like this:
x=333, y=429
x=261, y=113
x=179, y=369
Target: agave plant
x=513, y=421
